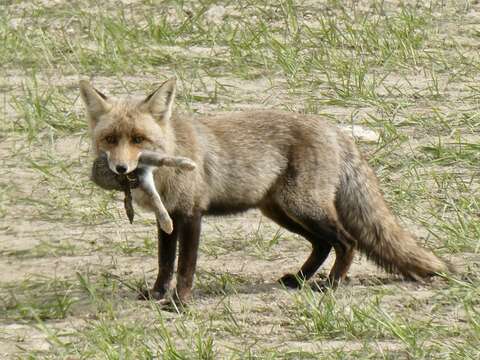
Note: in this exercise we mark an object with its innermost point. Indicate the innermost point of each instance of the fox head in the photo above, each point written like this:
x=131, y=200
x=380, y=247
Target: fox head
x=123, y=128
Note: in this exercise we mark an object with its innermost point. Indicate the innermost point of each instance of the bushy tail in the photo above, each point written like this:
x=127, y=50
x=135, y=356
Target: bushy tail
x=363, y=213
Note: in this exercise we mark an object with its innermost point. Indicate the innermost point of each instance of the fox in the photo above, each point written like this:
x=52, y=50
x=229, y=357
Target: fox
x=299, y=170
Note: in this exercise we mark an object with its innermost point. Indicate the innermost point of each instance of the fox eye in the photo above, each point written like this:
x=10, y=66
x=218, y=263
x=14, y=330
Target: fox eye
x=110, y=139
x=137, y=139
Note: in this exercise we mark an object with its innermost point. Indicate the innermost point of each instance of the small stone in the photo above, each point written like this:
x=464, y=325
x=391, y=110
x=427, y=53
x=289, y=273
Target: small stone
x=360, y=133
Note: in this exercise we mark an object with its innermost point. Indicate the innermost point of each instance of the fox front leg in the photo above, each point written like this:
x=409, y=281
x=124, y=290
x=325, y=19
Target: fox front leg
x=147, y=184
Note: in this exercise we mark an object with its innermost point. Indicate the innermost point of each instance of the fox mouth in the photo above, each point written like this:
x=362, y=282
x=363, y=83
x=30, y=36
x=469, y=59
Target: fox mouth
x=122, y=169
x=119, y=168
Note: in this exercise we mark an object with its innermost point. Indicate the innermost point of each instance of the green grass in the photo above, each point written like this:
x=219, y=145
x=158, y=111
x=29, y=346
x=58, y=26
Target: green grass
x=405, y=71
x=40, y=299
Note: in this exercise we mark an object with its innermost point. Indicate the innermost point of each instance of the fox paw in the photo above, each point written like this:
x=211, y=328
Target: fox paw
x=151, y=294
x=173, y=303
x=291, y=281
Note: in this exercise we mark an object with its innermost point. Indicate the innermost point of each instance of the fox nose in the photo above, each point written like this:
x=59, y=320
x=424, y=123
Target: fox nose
x=121, y=169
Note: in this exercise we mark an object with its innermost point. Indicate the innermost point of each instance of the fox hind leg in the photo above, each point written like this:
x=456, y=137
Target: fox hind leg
x=319, y=217
x=343, y=243
x=320, y=247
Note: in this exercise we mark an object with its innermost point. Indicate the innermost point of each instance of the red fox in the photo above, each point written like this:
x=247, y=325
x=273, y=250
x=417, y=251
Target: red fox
x=299, y=170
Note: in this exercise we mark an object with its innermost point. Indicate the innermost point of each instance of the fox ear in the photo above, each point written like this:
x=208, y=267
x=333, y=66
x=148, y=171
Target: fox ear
x=95, y=102
x=160, y=102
